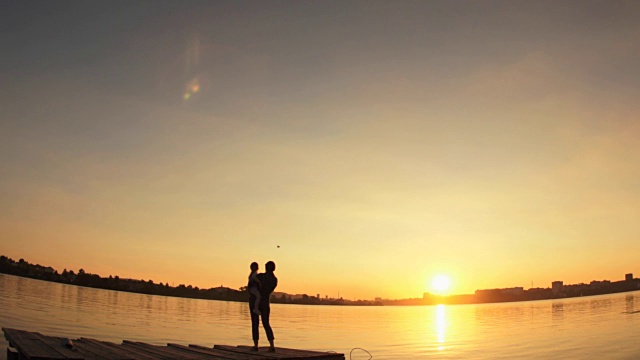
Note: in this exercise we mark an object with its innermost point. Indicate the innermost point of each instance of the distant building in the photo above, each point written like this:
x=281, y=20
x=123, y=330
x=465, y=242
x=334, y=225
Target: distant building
x=513, y=291
x=557, y=286
x=499, y=292
x=628, y=277
x=599, y=284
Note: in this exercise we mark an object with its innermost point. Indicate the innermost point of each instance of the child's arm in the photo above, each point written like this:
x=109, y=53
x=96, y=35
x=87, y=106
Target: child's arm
x=254, y=277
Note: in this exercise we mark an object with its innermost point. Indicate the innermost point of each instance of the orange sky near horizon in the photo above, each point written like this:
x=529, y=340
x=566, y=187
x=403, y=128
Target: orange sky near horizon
x=378, y=144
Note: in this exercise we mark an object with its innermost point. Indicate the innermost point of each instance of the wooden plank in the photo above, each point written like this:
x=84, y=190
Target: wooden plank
x=318, y=352
x=207, y=353
x=162, y=351
x=302, y=354
x=12, y=354
x=284, y=353
x=90, y=353
x=247, y=350
x=145, y=351
x=138, y=354
x=225, y=354
x=12, y=334
x=30, y=346
x=35, y=346
x=117, y=350
x=93, y=351
x=58, y=346
x=35, y=349
x=211, y=353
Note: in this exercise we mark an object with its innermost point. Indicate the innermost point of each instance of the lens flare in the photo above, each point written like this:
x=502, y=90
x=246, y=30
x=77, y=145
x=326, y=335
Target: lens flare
x=192, y=88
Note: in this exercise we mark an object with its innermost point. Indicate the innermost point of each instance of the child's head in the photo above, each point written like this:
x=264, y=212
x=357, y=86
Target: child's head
x=254, y=266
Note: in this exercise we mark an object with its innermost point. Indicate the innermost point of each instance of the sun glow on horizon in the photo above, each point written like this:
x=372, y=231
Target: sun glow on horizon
x=441, y=284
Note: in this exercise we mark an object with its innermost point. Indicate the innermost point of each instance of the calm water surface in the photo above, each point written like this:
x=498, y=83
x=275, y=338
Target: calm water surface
x=599, y=327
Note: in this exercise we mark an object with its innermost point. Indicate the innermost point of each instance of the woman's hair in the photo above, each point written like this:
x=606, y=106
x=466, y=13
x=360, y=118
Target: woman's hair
x=270, y=266
x=254, y=266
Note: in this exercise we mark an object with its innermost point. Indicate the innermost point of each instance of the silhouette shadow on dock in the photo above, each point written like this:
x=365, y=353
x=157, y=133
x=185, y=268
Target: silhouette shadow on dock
x=35, y=346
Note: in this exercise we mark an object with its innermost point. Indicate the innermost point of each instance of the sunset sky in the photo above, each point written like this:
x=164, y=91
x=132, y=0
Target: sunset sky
x=378, y=143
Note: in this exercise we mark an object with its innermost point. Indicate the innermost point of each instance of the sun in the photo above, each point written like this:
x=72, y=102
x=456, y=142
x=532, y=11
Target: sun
x=441, y=284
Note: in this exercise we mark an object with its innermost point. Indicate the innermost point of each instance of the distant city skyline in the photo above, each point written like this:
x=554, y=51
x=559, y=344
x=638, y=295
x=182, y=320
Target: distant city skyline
x=365, y=147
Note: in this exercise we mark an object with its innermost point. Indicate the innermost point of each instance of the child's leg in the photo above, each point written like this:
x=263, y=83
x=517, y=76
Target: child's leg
x=256, y=293
x=257, y=300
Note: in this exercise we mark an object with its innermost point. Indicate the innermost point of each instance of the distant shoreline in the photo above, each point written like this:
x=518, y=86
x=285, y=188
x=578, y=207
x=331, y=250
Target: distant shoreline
x=24, y=269
x=557, y=291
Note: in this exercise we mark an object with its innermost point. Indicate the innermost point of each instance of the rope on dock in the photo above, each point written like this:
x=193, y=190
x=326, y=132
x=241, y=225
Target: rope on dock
x=370, y=356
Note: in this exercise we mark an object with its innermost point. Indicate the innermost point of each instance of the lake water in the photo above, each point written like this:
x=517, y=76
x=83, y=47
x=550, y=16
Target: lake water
x=598, y=327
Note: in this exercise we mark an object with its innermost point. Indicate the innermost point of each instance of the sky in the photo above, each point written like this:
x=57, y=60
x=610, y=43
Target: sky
x=364, y=146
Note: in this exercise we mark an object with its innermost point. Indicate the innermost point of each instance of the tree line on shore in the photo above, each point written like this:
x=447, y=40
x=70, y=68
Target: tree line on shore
x=82, y=278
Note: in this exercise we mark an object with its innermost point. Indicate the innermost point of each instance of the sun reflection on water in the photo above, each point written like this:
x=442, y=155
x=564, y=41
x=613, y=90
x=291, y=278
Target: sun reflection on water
x=441, y=325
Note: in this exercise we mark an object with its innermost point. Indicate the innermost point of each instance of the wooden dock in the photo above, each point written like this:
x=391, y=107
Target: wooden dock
x=35, y=346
